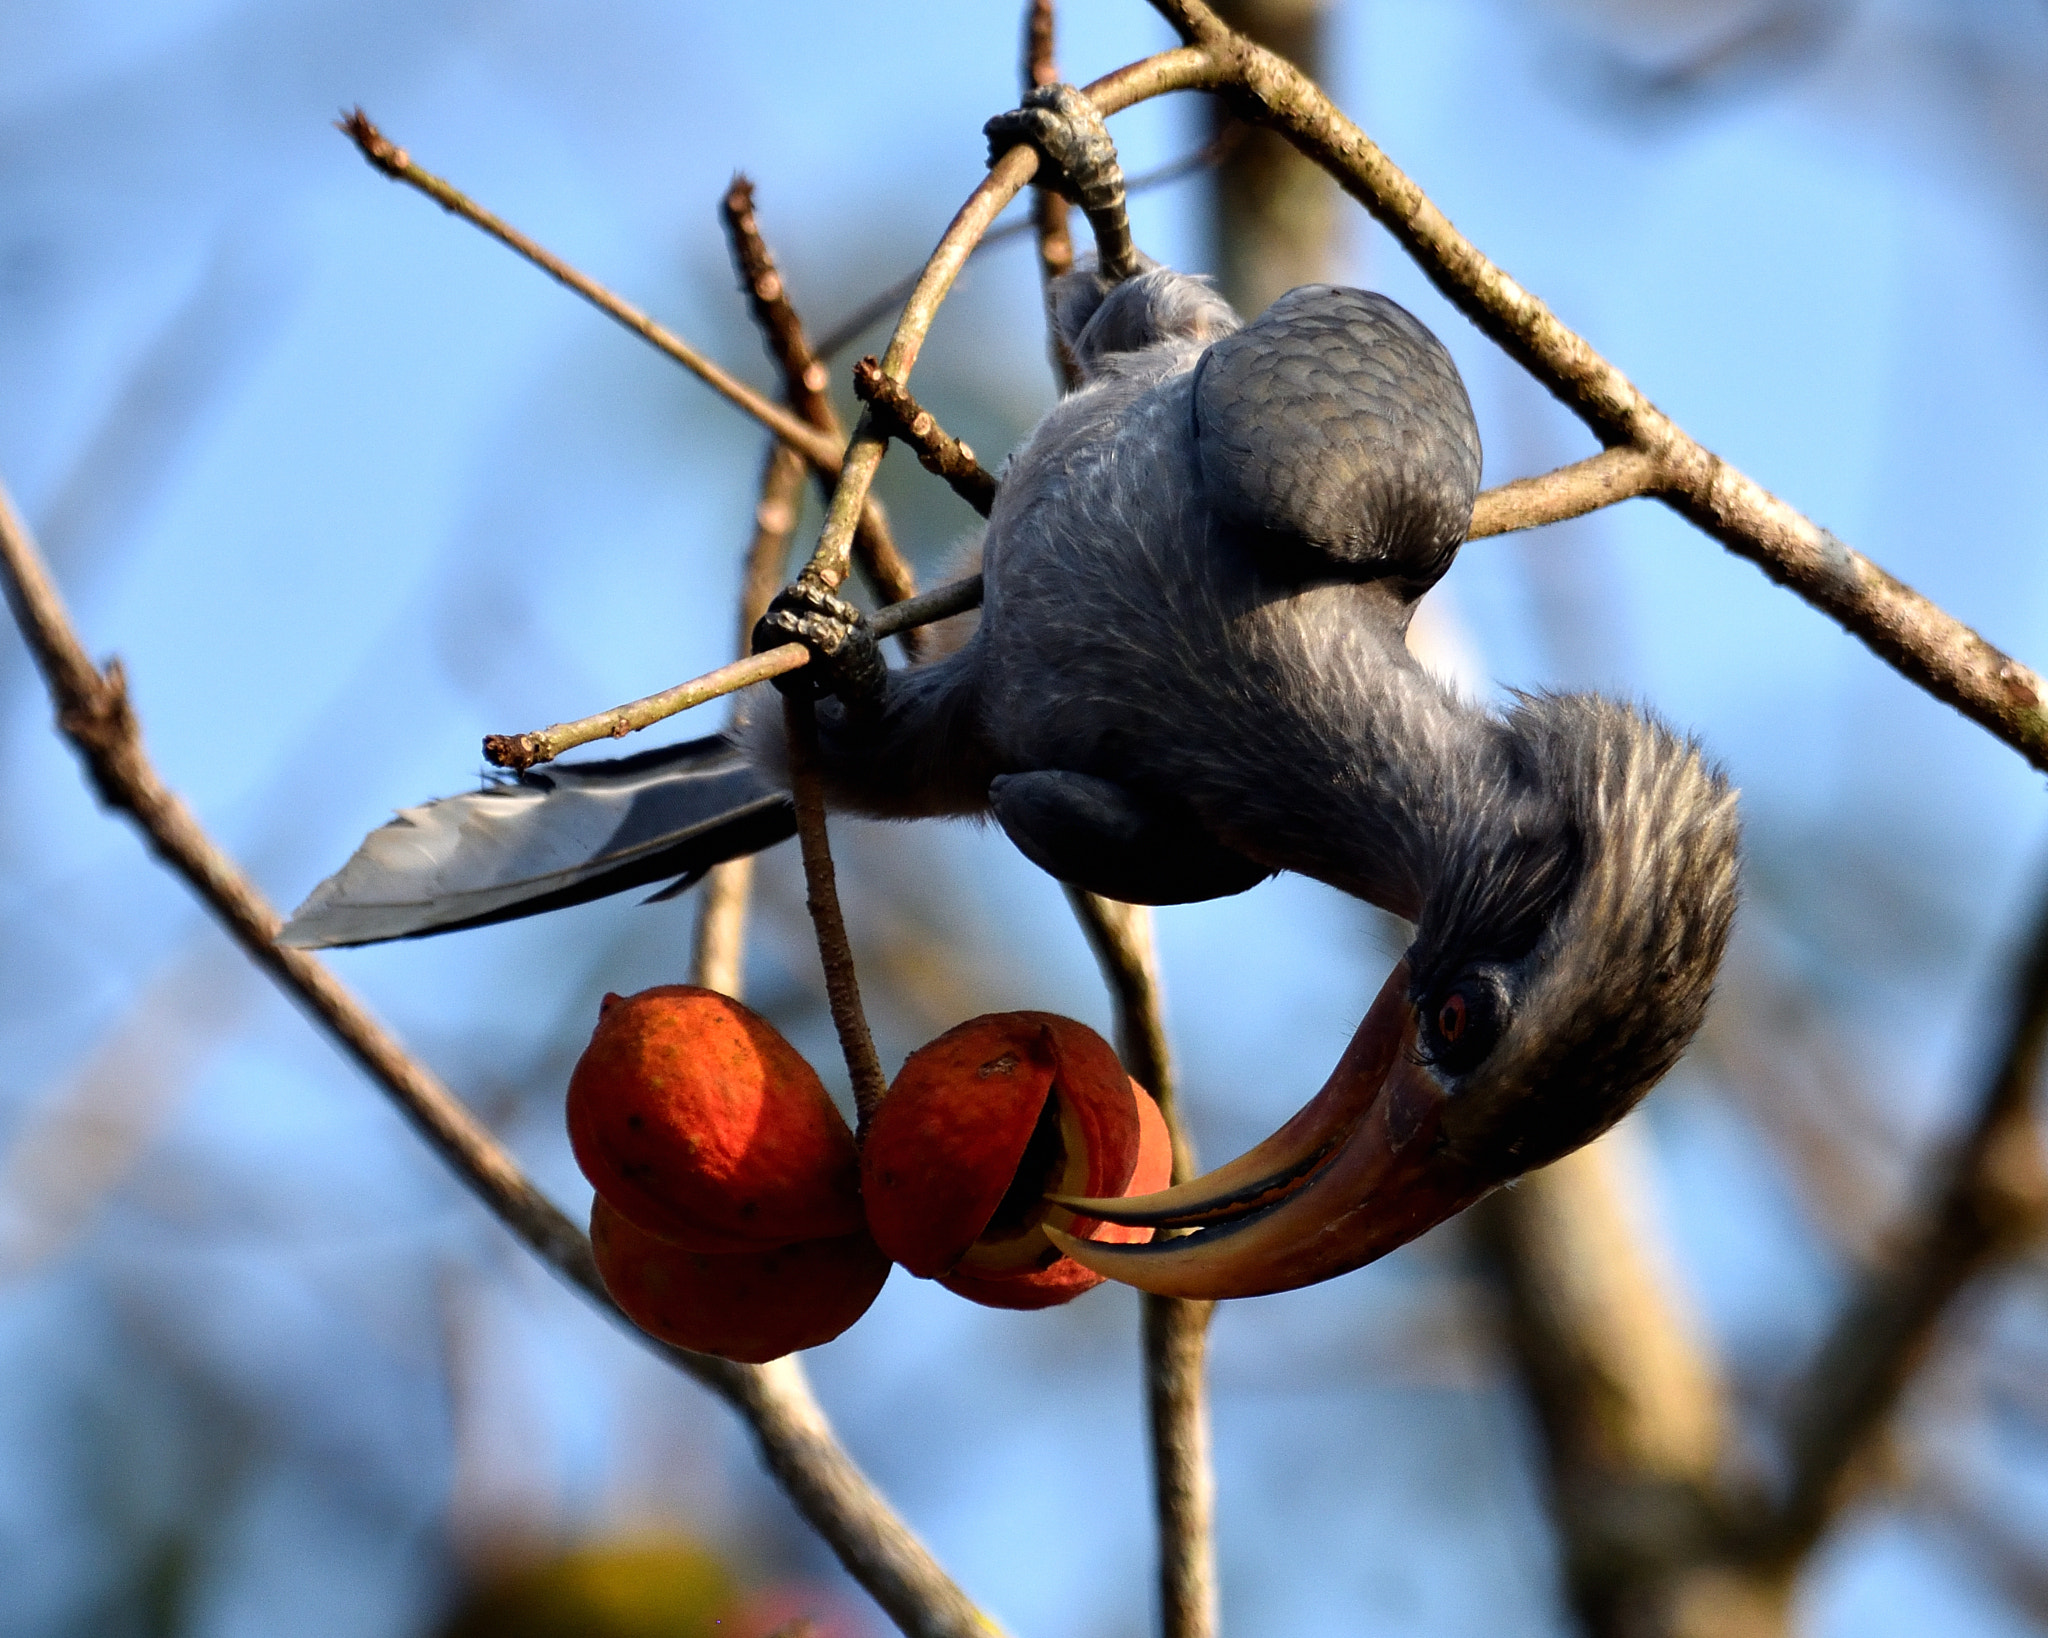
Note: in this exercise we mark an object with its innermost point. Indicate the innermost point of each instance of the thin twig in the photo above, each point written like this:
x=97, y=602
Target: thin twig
x=821, y=451
x=1175, y=1330
x=775, y=515
x=1986, y=1197
x=522, y=751
x=835, y=950
x=1174, y=1333
x=803, y=375
x=1049, y=216
x=1923, y=642
x=718, y=946
x=885, y=302
x=1176, y=1347
x=804, y=380
x=94, y=713
x=1569, y=492
x=1527, y=503
x=718, y=951
x=1120, y=935
x=898, y=415
x=1185, y=69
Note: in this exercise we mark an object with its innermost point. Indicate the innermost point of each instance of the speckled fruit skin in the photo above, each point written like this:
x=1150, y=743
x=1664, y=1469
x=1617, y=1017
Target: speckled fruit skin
x=940, y=1164
x=699, y=1123
x=750, y=1306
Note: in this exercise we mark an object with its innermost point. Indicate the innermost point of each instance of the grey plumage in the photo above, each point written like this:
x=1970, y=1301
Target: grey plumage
x=1336, y=426
x=1190, y=672
x=1199, y=575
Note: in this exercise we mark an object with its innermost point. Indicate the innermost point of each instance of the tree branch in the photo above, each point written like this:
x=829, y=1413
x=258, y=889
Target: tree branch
x=884, y=302
x=718, y=946
x=94, y=713
x=842, y=984
x=522, y=751
x=1175, y=1331
x=1176, y=1347
x=1049, y=215
x=1985, y=1198
x=898, y=415
x=1568, y=492
x=1171, y=70
x=1120, y=935
x=397, y=164
x=1925, y=644
x=804, y=380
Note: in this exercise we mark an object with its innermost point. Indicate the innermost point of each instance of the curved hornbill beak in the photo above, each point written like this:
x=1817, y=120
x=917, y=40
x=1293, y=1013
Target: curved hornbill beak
x=1360, y=1170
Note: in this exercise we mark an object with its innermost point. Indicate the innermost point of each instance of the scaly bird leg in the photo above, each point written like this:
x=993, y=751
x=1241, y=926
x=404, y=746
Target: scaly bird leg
x=846, y=662
x=1078, y=162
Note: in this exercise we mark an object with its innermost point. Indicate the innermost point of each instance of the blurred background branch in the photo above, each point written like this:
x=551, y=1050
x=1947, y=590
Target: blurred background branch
x=797, y=1444
x=229, y=1385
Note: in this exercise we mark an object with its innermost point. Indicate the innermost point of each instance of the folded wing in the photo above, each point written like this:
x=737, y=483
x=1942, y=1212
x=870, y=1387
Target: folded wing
x=1334, y=435
x=554, y=837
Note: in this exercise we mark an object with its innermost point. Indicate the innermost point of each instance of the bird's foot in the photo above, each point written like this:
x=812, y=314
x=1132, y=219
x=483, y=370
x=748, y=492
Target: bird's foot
x=846, y=662
x=1078, y=155
x=1078, y=161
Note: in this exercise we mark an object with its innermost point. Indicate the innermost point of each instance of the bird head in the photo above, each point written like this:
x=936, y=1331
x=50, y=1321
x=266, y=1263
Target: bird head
x=1563, y=958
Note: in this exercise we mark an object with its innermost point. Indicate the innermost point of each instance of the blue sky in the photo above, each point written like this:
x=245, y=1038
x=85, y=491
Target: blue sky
x=348, y=486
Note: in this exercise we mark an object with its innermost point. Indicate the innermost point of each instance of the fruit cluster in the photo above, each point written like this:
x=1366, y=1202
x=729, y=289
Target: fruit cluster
x=735, y=1214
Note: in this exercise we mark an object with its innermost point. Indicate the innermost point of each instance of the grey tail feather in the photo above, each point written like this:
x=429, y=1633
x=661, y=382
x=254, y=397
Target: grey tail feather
x=557, y=836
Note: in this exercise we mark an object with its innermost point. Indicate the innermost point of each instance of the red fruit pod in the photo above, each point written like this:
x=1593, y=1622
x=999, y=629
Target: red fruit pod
x=1063, y=1279
x=750, y=1306
x=699, y=1123
x=981, y=1125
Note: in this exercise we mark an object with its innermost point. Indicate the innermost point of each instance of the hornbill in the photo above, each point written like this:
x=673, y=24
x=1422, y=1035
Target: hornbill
x=1189, y=673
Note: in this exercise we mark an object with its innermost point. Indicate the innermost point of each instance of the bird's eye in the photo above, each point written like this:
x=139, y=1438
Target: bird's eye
x=1461, y=1026
x=1450, y=1017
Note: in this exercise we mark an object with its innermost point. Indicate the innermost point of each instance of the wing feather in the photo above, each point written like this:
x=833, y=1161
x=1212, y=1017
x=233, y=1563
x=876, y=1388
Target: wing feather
x=574, y=832
x=1336, y=426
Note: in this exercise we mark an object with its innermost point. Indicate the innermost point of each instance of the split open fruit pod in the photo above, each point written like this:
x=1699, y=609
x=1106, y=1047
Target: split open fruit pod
x=984, y=1123
x=697, y=1122
x=752, y=1306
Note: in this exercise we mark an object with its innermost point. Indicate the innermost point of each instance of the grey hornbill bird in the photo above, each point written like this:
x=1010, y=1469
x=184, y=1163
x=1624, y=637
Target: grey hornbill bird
x=1190, y=673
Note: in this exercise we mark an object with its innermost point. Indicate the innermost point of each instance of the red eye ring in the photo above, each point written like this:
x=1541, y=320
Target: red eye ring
x=1450, y=1017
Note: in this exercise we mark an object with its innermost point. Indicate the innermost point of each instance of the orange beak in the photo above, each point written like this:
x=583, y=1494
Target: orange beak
x=1359, y=1171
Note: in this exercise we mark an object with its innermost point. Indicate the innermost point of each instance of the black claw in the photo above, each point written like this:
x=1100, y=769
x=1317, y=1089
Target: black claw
x=1070, y=137
x=1078, y=161
x=846, y=662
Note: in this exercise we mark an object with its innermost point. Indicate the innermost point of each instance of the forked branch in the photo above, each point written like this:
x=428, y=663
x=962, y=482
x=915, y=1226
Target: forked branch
x=397, y=164
x=1924, y=643
x=900, y=416
x=95, y=714
x=803, y=385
